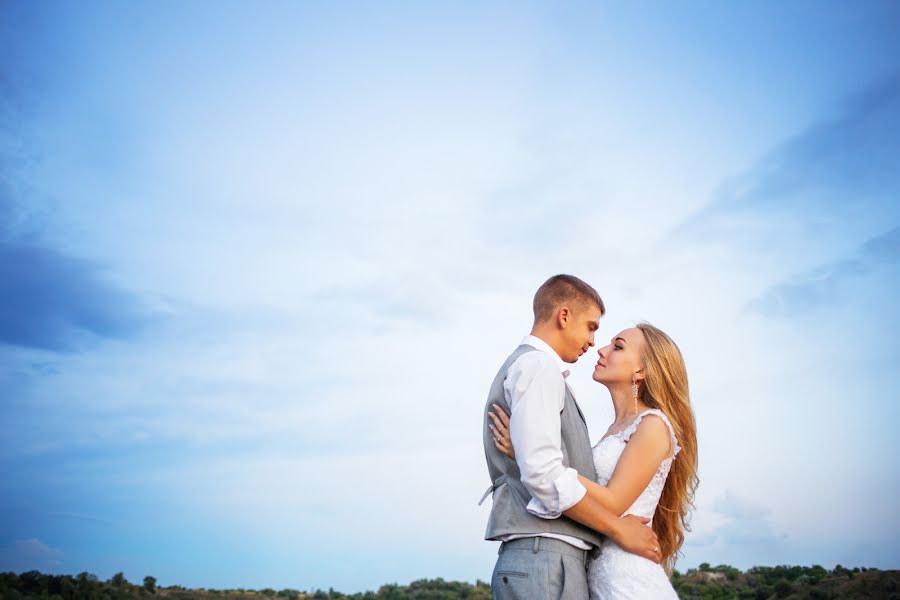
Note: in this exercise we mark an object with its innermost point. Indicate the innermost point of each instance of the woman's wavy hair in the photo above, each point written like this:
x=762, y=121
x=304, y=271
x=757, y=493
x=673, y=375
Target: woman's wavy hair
x=665, y=386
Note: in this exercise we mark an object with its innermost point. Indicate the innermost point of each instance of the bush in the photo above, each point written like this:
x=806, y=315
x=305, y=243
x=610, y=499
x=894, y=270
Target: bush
x=784, y=588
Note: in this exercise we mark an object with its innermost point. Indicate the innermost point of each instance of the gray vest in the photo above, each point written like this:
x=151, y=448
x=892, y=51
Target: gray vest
x=508, y=514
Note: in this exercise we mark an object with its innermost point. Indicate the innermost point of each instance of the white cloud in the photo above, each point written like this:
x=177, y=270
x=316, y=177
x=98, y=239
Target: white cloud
x=30, y=554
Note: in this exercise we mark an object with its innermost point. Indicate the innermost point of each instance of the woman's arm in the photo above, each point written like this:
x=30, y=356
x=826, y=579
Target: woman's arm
x=631, y=532
x=645, y=450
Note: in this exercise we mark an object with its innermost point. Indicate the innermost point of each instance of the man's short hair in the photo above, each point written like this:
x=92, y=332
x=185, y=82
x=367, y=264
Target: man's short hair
x=564, y=290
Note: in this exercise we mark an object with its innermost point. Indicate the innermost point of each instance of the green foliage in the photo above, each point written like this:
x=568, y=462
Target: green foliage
x=783, y=581
x=706, y=583
x=86, y=587
x=783, y=588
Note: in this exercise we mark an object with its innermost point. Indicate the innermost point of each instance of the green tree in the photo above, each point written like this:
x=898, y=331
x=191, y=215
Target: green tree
x=783, y=588
x=150, y=584
x=34, y=582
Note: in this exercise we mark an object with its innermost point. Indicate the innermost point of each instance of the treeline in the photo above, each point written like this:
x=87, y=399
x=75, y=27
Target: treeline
x=722, y=582
x=791, y=582
x=86, y=586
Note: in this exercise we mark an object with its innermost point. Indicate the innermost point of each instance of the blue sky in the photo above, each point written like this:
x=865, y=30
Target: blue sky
x=259, y=265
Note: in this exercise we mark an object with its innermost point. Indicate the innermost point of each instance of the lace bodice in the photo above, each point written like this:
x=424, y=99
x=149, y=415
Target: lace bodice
x=613, y=572
x=608, y=451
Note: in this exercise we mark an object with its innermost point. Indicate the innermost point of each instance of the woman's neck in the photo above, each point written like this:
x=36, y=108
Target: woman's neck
x=623, y=403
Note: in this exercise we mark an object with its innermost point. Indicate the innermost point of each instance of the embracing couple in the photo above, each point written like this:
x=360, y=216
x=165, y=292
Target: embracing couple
x=577, y=522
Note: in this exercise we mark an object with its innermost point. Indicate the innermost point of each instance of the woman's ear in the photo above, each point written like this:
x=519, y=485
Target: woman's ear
x=639, y=374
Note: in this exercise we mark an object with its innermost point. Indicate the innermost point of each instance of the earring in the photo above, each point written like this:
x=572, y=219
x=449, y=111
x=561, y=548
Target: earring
x=634, y=392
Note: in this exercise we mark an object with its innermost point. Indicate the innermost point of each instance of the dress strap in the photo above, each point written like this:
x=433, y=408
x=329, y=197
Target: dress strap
x=626, y=435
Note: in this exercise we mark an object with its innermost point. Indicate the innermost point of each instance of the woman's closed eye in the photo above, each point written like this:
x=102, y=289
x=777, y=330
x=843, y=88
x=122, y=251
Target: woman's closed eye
x=617, y=347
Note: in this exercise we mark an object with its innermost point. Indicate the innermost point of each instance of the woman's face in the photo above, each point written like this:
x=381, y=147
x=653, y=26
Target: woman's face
x=620, y=360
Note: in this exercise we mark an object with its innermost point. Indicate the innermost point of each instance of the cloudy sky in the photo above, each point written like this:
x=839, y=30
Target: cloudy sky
x=259, y=263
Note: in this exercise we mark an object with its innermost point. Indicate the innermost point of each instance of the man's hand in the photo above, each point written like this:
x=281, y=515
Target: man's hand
x=633, y=535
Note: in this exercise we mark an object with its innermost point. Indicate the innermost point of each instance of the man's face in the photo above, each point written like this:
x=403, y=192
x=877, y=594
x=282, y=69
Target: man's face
x=578, y=334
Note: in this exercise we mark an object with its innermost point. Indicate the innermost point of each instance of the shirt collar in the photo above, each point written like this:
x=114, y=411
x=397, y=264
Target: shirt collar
x=536, y=342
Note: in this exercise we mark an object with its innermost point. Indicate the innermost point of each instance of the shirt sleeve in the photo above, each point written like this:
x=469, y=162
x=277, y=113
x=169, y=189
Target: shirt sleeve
x=535, y=391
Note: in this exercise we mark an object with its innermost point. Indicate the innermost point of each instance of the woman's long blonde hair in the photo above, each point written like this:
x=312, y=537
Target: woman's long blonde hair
x=665, y=386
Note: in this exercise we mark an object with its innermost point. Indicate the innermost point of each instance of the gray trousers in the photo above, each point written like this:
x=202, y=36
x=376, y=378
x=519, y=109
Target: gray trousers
x=540, y=568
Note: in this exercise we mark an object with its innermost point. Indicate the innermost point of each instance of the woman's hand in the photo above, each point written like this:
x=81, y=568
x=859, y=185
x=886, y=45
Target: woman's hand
x=500, y=428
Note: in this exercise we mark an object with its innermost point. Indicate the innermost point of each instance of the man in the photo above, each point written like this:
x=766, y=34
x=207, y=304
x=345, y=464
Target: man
x=545, y=518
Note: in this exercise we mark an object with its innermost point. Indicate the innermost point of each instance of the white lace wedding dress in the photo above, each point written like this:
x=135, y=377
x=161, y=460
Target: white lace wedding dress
x=613, y=573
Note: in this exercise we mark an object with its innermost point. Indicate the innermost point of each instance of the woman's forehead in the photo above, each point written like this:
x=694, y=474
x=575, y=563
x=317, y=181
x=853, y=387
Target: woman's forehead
x=632, y=335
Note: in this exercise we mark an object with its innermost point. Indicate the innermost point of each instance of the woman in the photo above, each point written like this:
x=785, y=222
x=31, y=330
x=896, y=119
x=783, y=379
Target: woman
x=636, y=459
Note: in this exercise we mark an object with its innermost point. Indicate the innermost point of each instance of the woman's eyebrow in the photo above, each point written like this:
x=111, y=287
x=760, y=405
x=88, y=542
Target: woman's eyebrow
x=618, y=338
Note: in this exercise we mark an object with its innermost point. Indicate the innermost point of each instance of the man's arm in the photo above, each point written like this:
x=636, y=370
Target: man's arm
x=535, y=390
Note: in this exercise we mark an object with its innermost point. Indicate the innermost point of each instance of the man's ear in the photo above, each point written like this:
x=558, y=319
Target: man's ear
x=563, y=316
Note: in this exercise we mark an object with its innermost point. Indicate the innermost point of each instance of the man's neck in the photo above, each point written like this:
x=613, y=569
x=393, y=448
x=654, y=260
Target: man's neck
x=547, y=338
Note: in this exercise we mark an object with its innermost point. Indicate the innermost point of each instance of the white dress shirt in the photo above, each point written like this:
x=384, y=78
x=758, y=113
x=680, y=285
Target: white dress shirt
x=535, y=389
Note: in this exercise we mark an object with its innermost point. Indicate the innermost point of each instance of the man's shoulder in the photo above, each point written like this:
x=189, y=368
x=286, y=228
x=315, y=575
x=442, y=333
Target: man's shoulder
x=532, y=358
